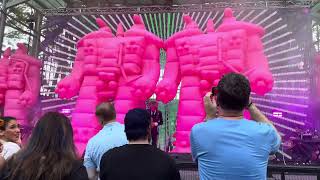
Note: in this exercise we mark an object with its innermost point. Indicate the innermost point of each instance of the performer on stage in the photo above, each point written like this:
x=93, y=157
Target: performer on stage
x=156, y=119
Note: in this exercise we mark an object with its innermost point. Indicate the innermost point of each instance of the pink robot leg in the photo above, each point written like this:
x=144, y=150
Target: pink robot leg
x=190, y=112
x=124, y=102
x=84, y=123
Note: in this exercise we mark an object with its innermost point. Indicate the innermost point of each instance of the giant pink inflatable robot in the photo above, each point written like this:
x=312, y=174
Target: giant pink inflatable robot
x=123, y=68
x=19, y=83
x=198, y=61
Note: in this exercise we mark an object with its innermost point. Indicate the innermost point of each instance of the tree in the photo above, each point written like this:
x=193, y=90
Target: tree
x=18, y=25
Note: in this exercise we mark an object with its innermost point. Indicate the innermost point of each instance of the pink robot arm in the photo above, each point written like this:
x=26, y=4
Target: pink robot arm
x=144, y=87
x=31, y=75
x=168, y=86
x=70, y=85
x=258, y=68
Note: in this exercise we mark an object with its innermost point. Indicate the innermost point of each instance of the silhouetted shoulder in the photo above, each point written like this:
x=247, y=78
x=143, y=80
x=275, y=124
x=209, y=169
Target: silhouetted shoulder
x=78, y=172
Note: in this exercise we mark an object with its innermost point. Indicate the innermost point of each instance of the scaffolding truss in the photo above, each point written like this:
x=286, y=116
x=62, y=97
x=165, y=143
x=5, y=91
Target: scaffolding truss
x=177, y=8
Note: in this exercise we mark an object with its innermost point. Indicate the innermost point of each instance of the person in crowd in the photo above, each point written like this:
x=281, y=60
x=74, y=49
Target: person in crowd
x=49, y=155
x=110, y=136
x=9, y=136
x=2, y=160
x=137, y=159
x=229, y=146
x=156, y=121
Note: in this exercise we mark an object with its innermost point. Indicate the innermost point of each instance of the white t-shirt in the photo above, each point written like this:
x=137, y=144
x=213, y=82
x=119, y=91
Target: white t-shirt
x=9, y=148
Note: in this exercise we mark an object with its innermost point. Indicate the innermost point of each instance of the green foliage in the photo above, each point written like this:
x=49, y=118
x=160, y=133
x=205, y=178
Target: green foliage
x=171, y=110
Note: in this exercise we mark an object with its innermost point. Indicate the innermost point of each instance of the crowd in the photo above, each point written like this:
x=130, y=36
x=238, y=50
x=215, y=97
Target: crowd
x=225, y=145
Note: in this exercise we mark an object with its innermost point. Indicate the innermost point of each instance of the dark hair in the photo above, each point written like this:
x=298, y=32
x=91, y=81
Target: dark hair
x=49, y=154
x=4, y=121
x=233, y=92
x=105, y=112
x=137, y=124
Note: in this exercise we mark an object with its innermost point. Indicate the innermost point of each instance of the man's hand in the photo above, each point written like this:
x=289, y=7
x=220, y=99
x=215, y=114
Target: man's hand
x=210, y=106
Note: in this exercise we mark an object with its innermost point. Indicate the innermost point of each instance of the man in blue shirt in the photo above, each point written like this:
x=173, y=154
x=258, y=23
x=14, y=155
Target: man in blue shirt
x=228, y=146
x=111, y=135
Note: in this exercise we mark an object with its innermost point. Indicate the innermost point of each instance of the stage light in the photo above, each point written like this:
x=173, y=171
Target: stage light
x=290, y=88
x=280, y=102
x=65, y=111
x=156, y=24
x=66, y=46
x=284, y=59
x=284, y=127
x=172, y=23
x=149, y=28
x=289, y=73
x=113, y=20
x=75, y=37
x=201, y=19
x=90, y=22
x=109, y=24
x=281, y=110
x=160, y=27
x=285, y=95
x=218, y=20
x=152, y=25
x=276, y=38
x=274, y=31
x=59, y=105
x=266, y=18
x=256, y=17
x=126, y=19
x=292, y=81
x=179, y=16
x=279, y=45
x=82, y=24
x=249, y=14
x=239, y=14
x=74, y=27
x=60, y=59
x=286, y=66
x=65, y=53
x=301, y=65
x=277, y=114
x=273, y=23
x=282, y=52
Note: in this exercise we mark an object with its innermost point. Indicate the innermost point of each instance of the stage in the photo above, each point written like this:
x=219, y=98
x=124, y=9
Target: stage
x=280, y=171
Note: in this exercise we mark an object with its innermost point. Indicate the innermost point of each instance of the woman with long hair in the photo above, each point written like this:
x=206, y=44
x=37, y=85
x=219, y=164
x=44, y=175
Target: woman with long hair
x=49, y=155
x=9, y=136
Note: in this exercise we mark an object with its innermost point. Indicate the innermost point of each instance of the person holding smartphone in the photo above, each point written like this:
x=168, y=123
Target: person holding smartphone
x=228, y=146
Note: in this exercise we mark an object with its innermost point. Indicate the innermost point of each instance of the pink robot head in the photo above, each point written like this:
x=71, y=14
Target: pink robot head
x=21, y=55
x=256, y=63
x=104, y=31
